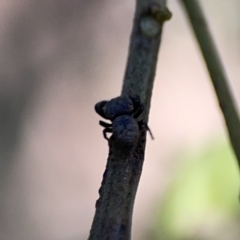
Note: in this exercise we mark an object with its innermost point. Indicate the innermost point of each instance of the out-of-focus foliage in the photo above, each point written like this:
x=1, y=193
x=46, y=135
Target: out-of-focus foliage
x=202, y=201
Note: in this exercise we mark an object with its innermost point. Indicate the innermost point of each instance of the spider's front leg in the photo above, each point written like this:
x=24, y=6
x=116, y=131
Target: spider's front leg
x=105, y=131
x=138, y=107
x=142, y=125
x=138, y=111
x=107, y=128
x=104, y=124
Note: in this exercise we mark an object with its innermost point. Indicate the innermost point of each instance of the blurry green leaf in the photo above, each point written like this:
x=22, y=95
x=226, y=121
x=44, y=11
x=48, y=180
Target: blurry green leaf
x=203, y=196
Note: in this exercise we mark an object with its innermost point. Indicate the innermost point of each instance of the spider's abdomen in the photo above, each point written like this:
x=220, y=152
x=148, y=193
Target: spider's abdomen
x=125, y=130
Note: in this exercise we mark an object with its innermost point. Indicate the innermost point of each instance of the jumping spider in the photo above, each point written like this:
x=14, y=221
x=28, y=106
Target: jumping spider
x=123, y=113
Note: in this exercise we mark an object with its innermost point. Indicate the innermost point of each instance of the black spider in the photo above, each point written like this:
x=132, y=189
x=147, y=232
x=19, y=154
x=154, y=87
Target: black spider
x=123, y=113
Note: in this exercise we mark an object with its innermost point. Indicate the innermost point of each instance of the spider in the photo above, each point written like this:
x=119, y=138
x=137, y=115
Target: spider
x=123, y=113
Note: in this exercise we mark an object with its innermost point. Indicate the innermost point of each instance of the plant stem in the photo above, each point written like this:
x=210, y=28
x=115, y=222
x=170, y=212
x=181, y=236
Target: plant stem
x=113, y=216
x=216, y=71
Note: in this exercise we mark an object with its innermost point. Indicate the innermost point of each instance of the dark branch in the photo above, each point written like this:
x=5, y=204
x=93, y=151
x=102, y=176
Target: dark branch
x=113, y=217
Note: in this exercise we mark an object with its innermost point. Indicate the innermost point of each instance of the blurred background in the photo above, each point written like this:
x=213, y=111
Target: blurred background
x=58, y=58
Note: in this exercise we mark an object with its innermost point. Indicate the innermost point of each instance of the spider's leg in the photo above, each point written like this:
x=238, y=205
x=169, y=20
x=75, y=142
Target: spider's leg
x=144, y=125
x=149, y=130
x=105, y=131
x=137, y=106
x=136, y=101
x=138, y=111
x=104, y=124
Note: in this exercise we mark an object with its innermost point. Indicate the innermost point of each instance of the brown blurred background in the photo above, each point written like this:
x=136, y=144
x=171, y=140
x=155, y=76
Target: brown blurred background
x=58, y=58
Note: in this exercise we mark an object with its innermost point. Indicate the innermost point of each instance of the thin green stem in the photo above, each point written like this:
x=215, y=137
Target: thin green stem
x=216, y=71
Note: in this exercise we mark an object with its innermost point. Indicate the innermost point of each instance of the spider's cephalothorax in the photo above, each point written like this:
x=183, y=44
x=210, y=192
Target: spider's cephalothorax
x=123, y=113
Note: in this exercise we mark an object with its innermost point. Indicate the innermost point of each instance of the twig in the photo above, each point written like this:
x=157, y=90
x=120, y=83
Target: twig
x=216, y=71
x=113, y=216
